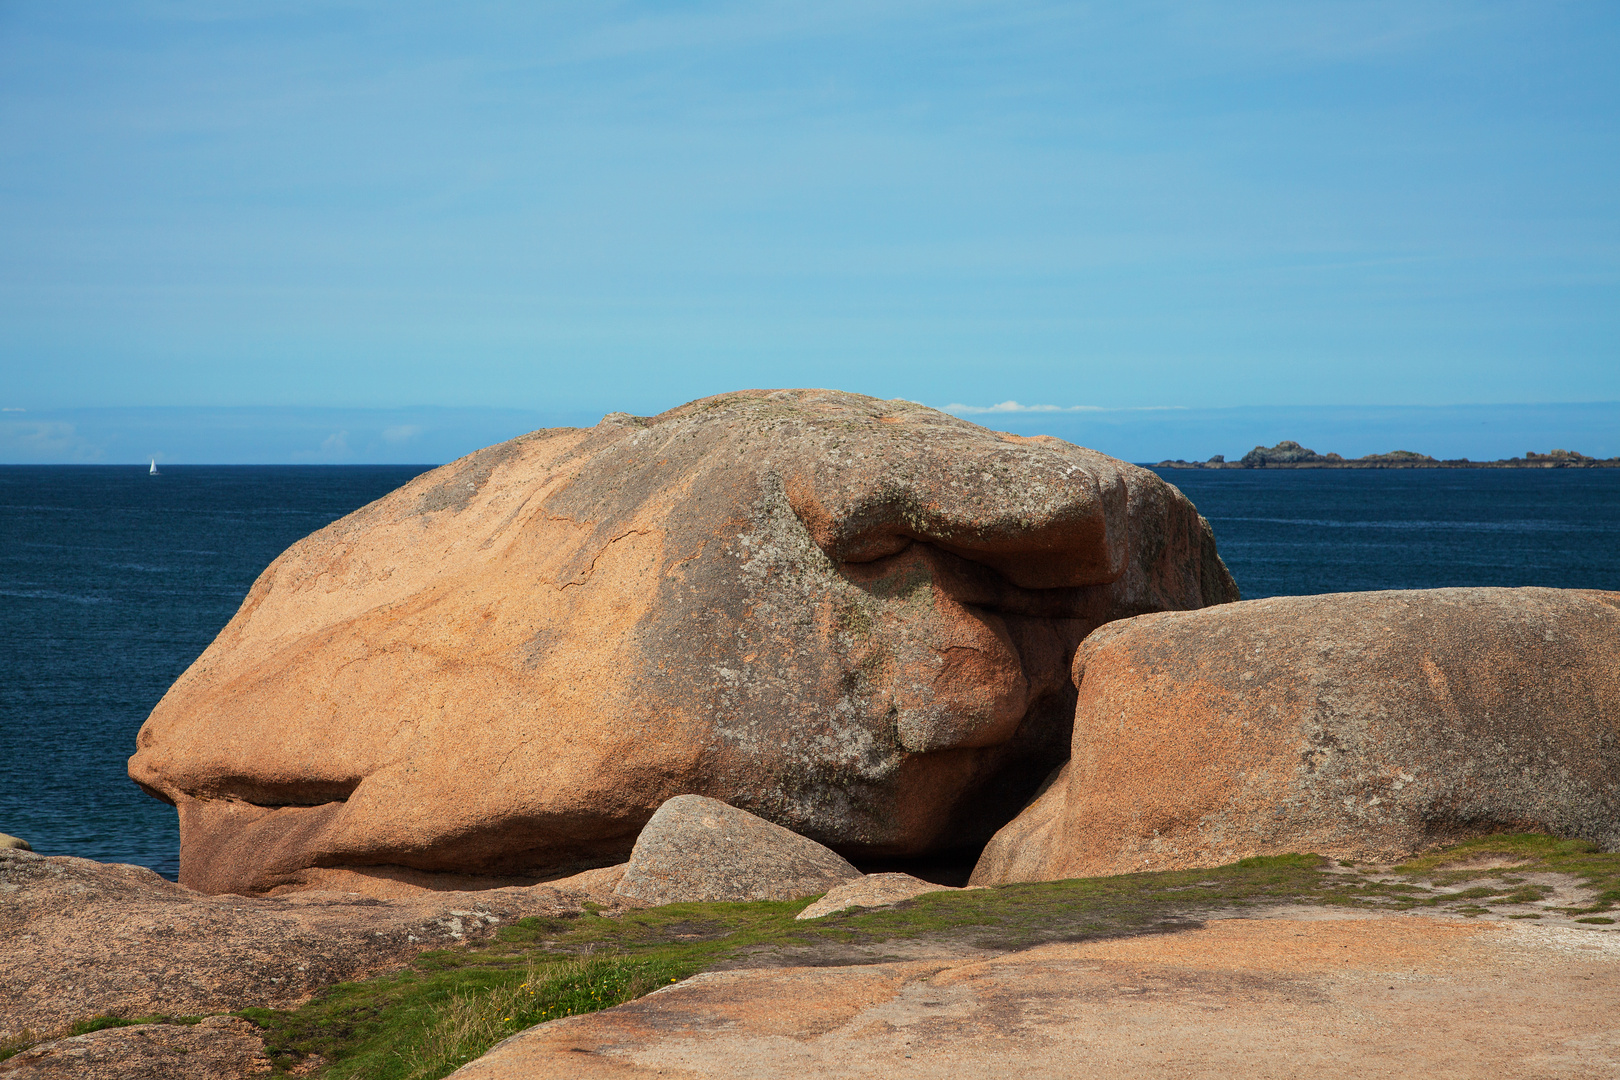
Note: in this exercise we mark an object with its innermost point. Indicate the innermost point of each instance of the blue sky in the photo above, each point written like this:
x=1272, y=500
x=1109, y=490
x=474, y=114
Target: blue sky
x=568, y=209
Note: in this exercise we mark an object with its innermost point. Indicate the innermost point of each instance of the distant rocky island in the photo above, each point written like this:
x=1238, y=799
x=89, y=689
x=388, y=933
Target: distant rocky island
x=1291, y=455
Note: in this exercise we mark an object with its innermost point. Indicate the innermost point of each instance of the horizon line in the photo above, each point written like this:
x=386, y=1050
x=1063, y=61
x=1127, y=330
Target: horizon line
x=1009, y=407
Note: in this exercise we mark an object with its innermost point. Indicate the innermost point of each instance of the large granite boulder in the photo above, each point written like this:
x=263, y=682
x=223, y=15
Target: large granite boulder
x=851, y=617
x=700, y=850
x=1355, y=725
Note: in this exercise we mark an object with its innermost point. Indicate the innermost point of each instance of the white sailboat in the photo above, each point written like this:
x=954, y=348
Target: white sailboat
x=153, y=470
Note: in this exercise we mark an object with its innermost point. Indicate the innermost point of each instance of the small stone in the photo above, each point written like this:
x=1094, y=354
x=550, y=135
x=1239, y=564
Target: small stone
x=873, y=890
x=699, y=849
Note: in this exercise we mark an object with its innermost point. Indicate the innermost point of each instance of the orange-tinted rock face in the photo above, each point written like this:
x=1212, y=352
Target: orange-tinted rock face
x=1359, y=725
x=851, y=617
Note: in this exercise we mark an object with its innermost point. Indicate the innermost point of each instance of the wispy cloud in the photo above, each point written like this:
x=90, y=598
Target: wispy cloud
x=1015, y=407
x=25, y=440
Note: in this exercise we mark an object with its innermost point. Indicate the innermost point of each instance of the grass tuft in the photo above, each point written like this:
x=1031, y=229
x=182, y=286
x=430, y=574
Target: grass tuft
x=109, y=1020
x=1507, y=856
x=424, y=1023
x=16, y=1044
x=473, y=1020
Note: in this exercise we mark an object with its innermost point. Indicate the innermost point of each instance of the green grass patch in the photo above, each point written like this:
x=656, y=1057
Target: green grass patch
x=1508, y=856
x=1528, y=894
x=435, y=1017
x=1478, y=892
x=108, y=1020
x=16, y=1044
x=1521, y=850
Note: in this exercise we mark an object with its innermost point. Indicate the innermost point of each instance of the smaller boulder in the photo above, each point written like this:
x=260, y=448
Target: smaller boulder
x=14, y=843
x=1366, y=726
x=873, y=890
x=698, y=849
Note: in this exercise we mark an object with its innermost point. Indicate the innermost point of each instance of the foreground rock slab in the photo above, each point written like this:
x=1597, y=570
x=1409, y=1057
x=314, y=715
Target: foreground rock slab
x=1365, y=726
x=218, y=1048
x=696, y=849
x=81, y=938
x=851, y=617
x=1325, y=997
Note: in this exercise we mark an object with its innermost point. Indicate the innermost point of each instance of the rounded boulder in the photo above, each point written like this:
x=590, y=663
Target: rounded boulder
x=1354, y=725
x=697, y=850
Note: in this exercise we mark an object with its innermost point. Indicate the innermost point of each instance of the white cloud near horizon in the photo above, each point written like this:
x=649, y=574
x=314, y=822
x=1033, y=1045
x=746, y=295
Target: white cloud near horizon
x=1014, y=407
x=32, y=440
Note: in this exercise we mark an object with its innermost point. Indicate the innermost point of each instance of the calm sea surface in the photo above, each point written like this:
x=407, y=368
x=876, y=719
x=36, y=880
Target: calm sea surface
x=111, y=583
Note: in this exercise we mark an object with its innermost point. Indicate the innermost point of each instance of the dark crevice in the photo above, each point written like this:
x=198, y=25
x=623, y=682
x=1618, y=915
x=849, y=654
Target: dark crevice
x=1044, y=627
x=967, y=581
x=951, y=868
x=306, y=793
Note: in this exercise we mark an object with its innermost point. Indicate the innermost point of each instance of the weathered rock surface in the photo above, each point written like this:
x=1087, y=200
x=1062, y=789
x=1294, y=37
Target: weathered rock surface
x=851, y=617
x=81, y=938
x=1359, y=998
x=1354, y=725
x=697, y=849
x=872, y=890
x=218, y=1048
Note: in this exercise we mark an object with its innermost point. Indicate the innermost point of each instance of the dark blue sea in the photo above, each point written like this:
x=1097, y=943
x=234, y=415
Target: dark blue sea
x=112, y=581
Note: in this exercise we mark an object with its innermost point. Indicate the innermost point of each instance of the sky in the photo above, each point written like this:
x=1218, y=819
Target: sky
x=217, y=218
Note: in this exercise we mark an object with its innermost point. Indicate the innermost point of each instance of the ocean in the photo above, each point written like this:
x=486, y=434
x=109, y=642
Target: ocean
x=112, y=581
